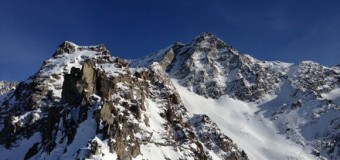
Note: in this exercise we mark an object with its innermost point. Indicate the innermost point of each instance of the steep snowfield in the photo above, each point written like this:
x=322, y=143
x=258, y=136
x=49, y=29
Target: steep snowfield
x=243, y=123
x=17, y=151
x=153, y=150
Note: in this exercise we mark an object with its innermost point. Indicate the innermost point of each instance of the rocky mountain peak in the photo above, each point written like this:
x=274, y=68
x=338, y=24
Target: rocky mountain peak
x=68, y=47
x=207, y=66
x=205, y=36
x=208, y=40
x=65, y=47
x=211, y=68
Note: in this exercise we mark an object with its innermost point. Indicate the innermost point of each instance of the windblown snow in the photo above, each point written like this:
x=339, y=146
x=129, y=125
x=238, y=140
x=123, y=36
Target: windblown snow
x=333, y=95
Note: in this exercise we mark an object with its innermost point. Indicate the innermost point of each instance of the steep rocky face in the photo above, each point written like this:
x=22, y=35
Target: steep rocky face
x=83, y=103
x=311, y=76
x=212, y=68
x=27, y=108
x=5, y=87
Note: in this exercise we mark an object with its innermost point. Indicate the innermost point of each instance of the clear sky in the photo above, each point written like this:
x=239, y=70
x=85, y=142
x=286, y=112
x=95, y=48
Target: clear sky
x=287, y=30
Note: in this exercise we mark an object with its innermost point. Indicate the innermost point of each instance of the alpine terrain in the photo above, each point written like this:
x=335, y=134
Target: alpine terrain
x=6, y=87
x=201, y=100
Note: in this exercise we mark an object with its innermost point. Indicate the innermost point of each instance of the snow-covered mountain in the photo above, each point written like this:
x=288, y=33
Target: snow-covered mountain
x=211, y=68
x=201, y=100
x=295, y=102
x=83, y=103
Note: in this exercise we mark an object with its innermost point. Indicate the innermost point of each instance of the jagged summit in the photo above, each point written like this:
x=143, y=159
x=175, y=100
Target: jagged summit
x=65, y=47
x=208, y=66
x=70, y=47
x=205, y=36
x=208, y=40
x=202, y=44
x=211, y=68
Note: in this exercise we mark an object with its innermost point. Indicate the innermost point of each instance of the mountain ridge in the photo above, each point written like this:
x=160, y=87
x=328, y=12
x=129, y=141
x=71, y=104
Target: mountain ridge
x=124, y=112
x=140, y=106
x=255, y=80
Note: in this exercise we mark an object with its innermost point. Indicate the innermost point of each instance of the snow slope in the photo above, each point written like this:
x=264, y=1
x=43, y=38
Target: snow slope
x=243, y=123
x=333, y=95
x=18, y=152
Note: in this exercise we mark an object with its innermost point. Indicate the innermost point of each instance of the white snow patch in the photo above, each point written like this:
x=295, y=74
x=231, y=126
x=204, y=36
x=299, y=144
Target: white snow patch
x=333, y=95
x=155, y=152
x=155, y=121
x=112, y=70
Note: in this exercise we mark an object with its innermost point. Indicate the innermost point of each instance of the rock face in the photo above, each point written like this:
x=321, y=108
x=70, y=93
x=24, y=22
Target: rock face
x=83, y=103
x=5, y=87
x=311, y=76
x=212, y=68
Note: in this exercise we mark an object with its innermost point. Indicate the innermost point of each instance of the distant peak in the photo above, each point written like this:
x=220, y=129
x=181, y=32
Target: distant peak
x=209, y=38
x=205, y=36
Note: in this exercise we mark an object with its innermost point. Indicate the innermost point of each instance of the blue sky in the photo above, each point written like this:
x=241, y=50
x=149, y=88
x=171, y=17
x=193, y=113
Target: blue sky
x=290, y=31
